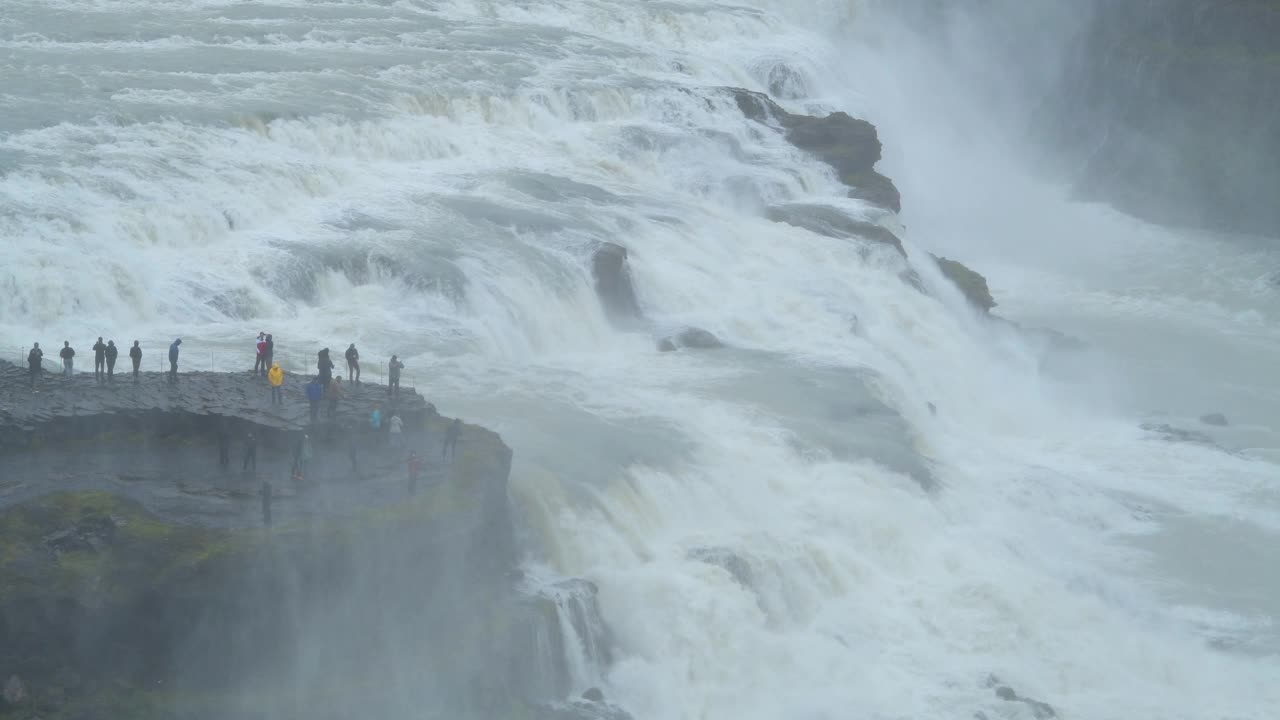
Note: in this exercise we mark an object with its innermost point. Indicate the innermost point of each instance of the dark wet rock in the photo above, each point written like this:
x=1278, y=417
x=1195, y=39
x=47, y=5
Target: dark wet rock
x=1039, y=710
x=971, y=284
x=581, y=709
x=546, y=617
x=593, y=695
x=1177, y=434
x=727, y=559
x=134, y=570
x=612, y=276
x=693, y=338
x=1215, y=419
x=848, y=144
x=832, y=222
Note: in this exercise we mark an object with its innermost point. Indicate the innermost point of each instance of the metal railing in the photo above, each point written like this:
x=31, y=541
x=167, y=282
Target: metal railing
x=193, y=358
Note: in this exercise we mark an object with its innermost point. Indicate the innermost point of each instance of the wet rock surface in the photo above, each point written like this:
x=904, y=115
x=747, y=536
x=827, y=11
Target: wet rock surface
x=831, y=222
x=728, y=560
x=1215, y=419
x=612, y=276
x=692, y=338
x=1039, y=710
x=137, y=578
x=971, y=284
x=850, y=145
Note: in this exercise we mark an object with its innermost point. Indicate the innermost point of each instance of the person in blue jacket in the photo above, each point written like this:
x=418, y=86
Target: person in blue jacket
x=173, y=359
x=315, y=391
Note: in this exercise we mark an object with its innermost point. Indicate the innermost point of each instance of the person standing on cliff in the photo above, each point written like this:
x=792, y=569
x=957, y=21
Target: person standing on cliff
x=35, y=359
x=333, y=393
x=314, y=393
x=112, y=353
x=275, y=377
x=451, y=435
x=268, y=353
x=135, y=355
x=258, y=347
x=353, y=364
x=393, y=376
x=99, y=360
x=375, y=422
x=250, y=453
x=173, y=359
x=68, y=355
x=325, y=365
x=397, y=430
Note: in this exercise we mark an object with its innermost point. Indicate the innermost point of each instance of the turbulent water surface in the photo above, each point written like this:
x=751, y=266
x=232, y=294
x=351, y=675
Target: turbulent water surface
x=430, y=178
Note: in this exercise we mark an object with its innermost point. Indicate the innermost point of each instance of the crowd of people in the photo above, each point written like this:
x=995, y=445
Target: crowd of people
x=323, y=388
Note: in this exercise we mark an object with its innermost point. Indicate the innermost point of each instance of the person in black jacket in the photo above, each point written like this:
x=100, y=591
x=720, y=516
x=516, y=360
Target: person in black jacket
x=135, y=354
x=173, y=359
x=112, y=353
x=250, y=454
x=353, y=364
x=68, y=355
x=268, y=354
x=393, y=376
x=35, y=359
x=325, y=365
x=99, y=360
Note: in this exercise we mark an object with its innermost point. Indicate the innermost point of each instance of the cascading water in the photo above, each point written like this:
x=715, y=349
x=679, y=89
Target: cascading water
x=778, y=528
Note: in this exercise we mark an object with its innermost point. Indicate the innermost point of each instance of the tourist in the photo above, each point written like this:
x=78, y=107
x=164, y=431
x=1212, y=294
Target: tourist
x=301, y=458
x=268, y=353
x=415, y=467
x=334, y=393
x=375, y=421
x=325, y=365
x=99, y=360
x=250, y=453
x=68, y=355
x=314, y=393
x=35, y=359
x=135, y=355
x=393, y=376
x=397, y=427
x=451, y=439
x=353, y=364
x=265, y=492
x=275, y=376
x=173, y=359
x=258, y=347
x=112, y=353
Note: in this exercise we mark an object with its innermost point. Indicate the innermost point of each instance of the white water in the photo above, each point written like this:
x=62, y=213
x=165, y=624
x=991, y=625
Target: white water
x=428, y=179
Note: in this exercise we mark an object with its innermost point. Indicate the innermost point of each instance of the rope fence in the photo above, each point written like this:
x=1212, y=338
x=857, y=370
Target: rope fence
x=155, y=358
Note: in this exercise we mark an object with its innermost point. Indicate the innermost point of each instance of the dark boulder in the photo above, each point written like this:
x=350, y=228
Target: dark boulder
x=832, y=222
x=694, y=338
x=1215, y=419
x=613, y=283
x=848, y=144
x=593, y=695
x=727, y=560
x=1177, y=434
x=971, y=284
x=581, y=709
x=1039, y=710
x=667, y=345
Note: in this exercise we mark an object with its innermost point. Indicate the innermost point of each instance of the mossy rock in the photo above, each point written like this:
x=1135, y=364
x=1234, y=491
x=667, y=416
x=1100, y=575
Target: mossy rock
x=971, y=284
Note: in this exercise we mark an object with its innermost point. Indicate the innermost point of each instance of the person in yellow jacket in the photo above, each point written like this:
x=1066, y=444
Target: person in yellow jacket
x=275, y=376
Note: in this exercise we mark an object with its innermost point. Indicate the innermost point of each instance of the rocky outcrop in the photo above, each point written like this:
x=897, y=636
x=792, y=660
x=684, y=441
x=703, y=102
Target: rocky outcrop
x=971, y=284
x=848, y=144
x=613, y=284
x=138, y=577
x=693, y=338
x=728, y=560
x=1215, y=419
x=831, y=222
x=1039, y=710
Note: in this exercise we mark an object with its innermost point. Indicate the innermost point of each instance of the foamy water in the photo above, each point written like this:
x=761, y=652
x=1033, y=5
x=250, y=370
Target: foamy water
x=430, y=179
